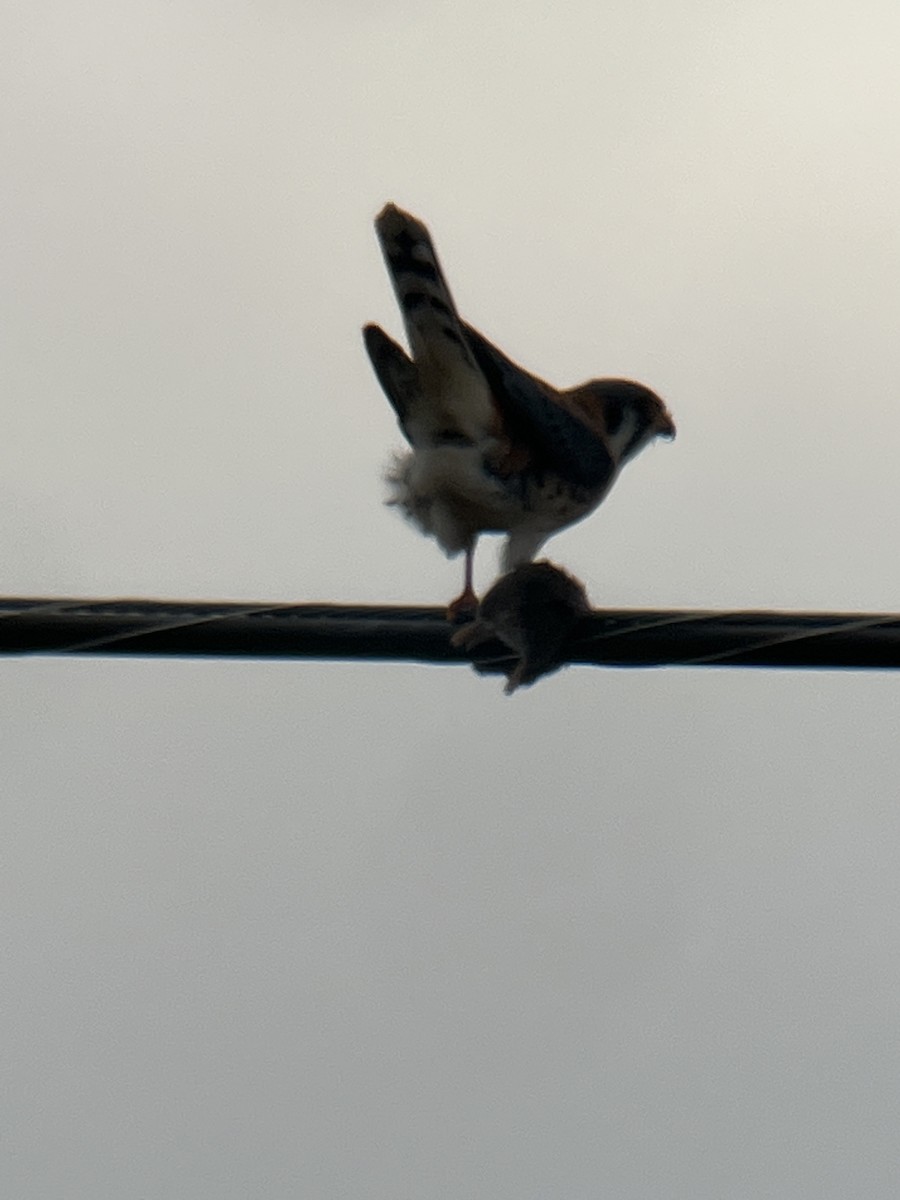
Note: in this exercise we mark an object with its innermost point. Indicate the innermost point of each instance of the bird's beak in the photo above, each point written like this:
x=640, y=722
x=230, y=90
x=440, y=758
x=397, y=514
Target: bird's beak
x=668, y=430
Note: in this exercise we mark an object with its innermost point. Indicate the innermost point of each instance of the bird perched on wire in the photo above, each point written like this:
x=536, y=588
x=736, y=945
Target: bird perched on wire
x=494, y=449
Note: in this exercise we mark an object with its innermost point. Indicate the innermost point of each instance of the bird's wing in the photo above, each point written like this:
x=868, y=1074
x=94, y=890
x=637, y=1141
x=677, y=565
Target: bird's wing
x=536, y=414
x=429, y=313
x=394, y=370
x=444, y=393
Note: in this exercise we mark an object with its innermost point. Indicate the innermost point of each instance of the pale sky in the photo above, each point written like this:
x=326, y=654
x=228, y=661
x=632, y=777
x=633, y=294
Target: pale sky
x=332, y=930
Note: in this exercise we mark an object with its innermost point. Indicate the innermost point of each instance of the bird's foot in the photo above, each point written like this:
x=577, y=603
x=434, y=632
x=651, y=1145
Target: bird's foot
x=463, y=608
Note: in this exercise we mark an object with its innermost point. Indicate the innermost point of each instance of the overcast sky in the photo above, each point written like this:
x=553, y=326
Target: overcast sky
x=324, y=930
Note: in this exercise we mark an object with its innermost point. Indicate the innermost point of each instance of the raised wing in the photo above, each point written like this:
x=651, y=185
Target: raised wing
x=429, y=313
x=395, y=371
x=438, y=391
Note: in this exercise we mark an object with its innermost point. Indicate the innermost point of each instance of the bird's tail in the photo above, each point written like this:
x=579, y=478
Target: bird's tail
x=429, y=314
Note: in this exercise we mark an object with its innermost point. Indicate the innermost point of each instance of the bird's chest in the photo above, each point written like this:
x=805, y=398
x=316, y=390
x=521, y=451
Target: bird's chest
x=486, y=494
x=456, y=478
x=554, y=502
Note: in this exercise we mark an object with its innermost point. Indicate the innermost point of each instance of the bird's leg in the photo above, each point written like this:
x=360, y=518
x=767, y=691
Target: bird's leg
x=465, y=606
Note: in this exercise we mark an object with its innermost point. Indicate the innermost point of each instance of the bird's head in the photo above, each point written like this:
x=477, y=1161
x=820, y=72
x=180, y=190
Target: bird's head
x=632, y=414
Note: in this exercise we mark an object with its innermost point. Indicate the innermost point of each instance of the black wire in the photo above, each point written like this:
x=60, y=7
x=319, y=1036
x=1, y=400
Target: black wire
x=610, y=637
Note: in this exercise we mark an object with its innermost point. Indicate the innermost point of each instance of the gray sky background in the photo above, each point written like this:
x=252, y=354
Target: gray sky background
x=325, y=930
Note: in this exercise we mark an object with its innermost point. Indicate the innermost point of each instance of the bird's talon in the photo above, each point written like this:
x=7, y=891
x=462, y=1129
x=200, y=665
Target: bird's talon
x=464, y=608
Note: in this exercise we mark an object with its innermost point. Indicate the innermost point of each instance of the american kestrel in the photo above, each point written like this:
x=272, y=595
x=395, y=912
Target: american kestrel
x=494, y=449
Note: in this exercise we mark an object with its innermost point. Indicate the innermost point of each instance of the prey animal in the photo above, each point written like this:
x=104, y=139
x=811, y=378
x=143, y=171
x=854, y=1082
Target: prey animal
x=532, y=610
x=493, y=448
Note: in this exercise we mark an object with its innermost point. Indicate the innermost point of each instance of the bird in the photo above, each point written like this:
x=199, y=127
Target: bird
x=492, y=447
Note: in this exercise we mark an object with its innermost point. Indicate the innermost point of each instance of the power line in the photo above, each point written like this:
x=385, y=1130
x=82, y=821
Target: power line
x=607, y=637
